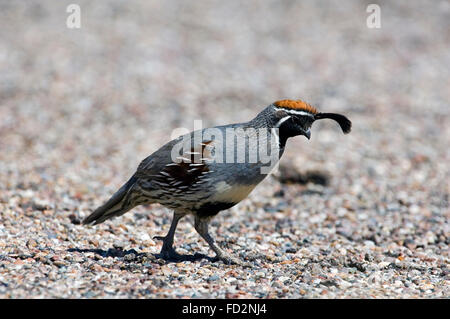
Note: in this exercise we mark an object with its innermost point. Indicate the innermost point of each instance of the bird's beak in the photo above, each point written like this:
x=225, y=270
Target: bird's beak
x=307, y=134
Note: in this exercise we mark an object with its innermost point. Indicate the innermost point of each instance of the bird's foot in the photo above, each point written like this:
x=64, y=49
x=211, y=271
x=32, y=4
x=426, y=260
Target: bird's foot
x=169, y=254
x=167, y=251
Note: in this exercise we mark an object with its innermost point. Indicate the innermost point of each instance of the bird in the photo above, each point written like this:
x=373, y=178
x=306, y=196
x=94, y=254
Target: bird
x=210, y=170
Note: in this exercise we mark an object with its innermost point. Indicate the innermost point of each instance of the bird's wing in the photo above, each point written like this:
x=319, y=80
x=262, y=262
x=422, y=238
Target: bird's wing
x=159, y=170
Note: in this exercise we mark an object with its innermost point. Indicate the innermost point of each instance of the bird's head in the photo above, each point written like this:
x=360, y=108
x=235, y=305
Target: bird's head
x=295, y=117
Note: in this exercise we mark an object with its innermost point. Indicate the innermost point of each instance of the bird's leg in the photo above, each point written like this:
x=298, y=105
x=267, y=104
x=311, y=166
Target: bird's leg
x=201, y=226
x=167, y=250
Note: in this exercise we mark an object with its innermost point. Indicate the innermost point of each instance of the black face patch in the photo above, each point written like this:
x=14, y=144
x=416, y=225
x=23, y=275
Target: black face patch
x=294, y=126
x=303, y=121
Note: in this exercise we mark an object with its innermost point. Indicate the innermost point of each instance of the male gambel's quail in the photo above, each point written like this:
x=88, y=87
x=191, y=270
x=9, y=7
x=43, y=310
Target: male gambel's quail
x=206, y=179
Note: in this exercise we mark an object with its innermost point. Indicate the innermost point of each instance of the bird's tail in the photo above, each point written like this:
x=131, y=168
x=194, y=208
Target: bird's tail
x=117, y=205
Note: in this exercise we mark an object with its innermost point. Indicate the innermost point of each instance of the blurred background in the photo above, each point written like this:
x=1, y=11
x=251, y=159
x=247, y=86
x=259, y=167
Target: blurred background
x=80, y=108
x=78, y=101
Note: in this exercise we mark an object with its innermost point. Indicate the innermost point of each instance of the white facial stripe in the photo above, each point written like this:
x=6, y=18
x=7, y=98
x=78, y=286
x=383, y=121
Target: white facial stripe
x=282, y=120
x=295, y=112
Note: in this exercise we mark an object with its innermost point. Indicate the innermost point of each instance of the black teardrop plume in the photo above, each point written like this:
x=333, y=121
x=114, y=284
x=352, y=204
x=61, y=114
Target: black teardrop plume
x=344, y=123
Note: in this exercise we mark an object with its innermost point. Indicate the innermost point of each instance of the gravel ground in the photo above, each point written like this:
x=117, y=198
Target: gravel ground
x=80, y=108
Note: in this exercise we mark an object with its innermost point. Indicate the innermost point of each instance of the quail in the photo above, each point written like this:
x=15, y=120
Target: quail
x=212, y=169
